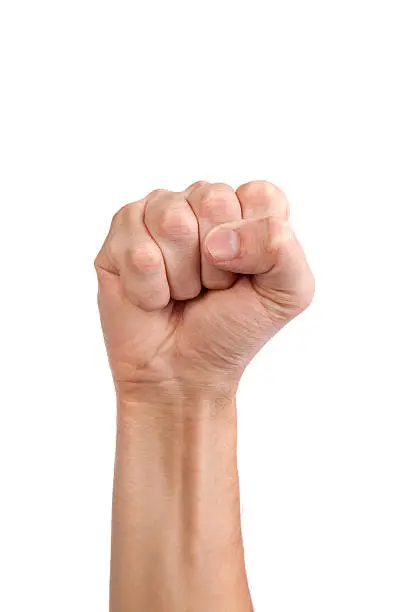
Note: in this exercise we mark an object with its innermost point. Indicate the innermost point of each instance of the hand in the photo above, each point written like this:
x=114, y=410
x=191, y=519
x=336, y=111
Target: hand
x=192, y=284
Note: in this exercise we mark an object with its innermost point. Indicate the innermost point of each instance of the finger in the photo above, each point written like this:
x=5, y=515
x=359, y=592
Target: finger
x=173, y=226
x=214, y=204
x=262, y=199
x=130, y=252
x=268, y=249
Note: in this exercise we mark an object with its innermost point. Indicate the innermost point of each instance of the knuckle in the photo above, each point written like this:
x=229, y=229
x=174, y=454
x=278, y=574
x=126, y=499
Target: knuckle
x=174, y=223
x=264, y=192
x=126, y=211
x=261, y=189
x=144, y=258
x=157, y=193
x=196, y=185
x=126, y=215
x=217, y=200
x=223, y=187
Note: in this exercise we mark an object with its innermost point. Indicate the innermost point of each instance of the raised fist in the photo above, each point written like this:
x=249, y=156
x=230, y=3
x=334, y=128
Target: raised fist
x=193, y=283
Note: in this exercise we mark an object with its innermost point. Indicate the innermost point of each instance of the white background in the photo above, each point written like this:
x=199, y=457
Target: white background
x=103, y=101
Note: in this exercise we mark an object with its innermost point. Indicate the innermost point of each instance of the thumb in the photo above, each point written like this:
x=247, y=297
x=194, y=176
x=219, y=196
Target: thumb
x=268, y=249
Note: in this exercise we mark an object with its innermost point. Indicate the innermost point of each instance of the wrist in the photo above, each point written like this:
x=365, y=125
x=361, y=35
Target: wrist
x=200, y=398
x=180, y=423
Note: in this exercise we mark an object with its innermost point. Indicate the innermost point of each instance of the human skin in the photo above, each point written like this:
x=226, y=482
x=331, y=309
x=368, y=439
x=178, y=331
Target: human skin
x=191, y=285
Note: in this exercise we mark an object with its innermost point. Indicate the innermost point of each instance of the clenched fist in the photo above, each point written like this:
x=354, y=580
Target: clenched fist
x=193, y=283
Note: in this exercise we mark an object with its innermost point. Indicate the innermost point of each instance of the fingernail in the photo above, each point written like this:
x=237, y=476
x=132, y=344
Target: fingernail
x=223, y=244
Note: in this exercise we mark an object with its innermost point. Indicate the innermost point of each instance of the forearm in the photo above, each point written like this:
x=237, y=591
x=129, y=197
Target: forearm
x=176, y=534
